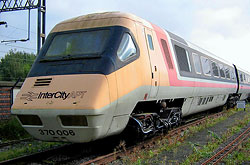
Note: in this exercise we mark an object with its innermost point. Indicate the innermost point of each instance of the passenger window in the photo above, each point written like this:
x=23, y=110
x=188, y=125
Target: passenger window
x=222, y=73
x=241, y=77
x=205, y=66
x=215, y=69
x=166, y=52
x=227, y=72
x=150, y=42
x=197, y=64
x=127, y=48
x=183, y=59
x=233, y=74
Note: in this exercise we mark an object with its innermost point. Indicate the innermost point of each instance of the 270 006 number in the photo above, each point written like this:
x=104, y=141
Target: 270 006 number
x=56, y=132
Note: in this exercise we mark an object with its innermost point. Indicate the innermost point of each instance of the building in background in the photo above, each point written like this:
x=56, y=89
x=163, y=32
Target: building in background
x=8, y=92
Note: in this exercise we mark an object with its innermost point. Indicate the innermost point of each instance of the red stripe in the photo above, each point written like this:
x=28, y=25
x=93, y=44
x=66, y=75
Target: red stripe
x=244, y=87
x=173, y=80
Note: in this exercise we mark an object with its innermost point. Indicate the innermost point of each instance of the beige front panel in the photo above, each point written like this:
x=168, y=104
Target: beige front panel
x=85, y=91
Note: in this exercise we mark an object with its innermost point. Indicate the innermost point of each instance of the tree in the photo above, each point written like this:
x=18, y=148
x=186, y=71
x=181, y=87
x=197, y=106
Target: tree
x=16, y=64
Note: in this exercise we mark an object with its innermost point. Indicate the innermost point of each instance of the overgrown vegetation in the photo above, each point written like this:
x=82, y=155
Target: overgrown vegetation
x=36, y=146
x=15, y=64
x=206, y=150
x=241, y=156
x=171, y=144
x=12, y=130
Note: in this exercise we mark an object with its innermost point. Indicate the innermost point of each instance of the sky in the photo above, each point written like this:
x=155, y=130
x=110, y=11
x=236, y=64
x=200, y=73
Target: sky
x=220, y=27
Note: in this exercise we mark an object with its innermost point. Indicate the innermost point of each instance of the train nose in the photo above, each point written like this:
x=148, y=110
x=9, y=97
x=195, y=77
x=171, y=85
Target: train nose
x=88, y=91
x=66, y=110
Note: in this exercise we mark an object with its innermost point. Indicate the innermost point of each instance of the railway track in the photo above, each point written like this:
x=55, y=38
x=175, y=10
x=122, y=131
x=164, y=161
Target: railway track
x=104, y=159
x=217, y=157
x=36, y=156
x=66, y=153
x=107, y=156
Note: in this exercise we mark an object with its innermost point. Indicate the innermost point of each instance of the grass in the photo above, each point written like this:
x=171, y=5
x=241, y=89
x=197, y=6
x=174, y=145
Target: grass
x=206, y=150
x=30, y=148
x=240, y=156
x=12, y=130
x=171, y=144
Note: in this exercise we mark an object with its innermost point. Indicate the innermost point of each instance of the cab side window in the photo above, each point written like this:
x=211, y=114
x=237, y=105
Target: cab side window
x=150, y=42
x=127, y=48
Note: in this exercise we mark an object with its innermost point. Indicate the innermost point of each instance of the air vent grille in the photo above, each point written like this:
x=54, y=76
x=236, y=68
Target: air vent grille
x=42, y=82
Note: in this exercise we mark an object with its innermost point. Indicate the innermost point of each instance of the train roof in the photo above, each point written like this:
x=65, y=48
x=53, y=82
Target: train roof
x=195, y=47
x=242, y=70
x=99, y=16
x=104, y=15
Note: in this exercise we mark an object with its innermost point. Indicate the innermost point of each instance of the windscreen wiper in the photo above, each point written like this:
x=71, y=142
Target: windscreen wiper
x=70, y=57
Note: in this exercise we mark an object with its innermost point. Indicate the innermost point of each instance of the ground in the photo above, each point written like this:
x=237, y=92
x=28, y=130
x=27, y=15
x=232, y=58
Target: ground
x=198, y=145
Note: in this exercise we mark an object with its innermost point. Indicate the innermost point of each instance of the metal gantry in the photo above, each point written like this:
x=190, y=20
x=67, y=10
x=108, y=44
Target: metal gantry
x=13, y=5
x=40, y=5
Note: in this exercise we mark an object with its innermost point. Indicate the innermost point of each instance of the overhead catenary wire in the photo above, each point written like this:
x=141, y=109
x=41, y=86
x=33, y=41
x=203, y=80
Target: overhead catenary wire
x=21, y=29
x=9, y=45
x=13, y=39
x=6, y=36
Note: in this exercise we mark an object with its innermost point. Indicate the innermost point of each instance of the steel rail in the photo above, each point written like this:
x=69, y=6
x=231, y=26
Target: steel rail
x=105, y=159
x=114, y=155
x=34, y=156
x=229, y=148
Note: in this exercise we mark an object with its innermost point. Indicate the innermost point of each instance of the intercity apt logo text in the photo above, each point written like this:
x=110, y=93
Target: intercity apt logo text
x=30, y=96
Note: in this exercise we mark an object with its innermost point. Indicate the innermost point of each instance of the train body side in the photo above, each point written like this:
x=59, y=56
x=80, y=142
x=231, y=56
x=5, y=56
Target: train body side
x=243, y=80
x=94, y=96
x=198, y=91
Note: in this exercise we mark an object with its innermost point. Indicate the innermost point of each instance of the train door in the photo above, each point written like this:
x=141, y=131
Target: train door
x=153, y=61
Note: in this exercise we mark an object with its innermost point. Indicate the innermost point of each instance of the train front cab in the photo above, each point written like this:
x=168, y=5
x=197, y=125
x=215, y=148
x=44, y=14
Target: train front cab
x=81, y=98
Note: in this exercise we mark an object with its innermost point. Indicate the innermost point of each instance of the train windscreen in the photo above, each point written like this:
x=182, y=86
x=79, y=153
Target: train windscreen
x=82, y=51
x=77, y=44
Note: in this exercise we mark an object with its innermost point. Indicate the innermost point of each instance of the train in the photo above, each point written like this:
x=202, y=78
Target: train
x=100, y=73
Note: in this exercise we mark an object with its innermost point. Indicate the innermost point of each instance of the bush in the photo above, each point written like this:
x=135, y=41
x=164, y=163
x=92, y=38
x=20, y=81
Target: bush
x=12, y=130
